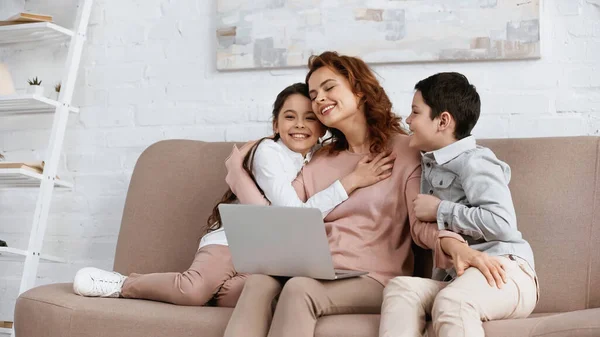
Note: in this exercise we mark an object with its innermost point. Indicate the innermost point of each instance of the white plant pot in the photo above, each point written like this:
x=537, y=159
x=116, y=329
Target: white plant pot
x=54, y=95
x=36, y=90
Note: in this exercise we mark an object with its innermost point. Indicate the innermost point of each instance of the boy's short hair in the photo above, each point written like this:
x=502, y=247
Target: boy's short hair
x=452, y=92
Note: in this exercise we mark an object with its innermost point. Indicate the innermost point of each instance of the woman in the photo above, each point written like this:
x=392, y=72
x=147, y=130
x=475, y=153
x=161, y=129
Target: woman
x=370, y=231
x=275, y=162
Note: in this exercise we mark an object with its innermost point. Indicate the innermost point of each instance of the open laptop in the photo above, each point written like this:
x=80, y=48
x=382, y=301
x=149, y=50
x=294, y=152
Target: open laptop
x=279, y=241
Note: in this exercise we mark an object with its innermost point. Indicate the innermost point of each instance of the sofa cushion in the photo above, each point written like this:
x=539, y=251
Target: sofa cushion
x=59, y=312
x=584, y=323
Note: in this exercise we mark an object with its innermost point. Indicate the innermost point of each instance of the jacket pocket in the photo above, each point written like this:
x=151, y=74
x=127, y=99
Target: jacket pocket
x=444, y=180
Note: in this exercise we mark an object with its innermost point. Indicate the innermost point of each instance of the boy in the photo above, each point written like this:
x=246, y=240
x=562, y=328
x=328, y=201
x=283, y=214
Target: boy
x=465, y=190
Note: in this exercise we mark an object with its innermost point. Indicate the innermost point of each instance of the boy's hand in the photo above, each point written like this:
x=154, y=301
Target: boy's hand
x=425, y=207
x=464, y=257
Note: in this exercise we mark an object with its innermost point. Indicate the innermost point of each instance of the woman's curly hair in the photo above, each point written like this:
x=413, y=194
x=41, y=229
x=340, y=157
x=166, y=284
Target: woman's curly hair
x=381, y=121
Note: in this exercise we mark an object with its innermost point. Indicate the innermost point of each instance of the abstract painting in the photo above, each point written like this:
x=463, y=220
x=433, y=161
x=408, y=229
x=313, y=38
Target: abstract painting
x=285, y=33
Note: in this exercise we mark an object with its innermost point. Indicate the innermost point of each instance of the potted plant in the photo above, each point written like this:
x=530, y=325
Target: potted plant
x=35, y=87
x=56, y=92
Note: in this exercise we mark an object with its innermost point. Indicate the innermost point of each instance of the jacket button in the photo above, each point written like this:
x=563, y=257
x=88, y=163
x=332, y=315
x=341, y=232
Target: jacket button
x=446, y=224
x=441, y=182
x=428, y=164
x=430, y=191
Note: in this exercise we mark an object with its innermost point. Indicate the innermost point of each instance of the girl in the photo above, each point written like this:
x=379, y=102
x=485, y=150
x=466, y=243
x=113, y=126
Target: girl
x=275, y=162
x=371, y=231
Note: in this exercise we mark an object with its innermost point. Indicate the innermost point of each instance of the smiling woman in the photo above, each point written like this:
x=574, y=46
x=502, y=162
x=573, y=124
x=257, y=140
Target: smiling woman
x=274, y=162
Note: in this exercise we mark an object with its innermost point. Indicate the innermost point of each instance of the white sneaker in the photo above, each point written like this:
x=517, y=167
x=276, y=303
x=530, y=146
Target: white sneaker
x=94, y=282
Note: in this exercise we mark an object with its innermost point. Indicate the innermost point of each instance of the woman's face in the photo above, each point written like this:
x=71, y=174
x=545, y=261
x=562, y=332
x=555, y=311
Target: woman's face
x=297, y=125
x=332, y=98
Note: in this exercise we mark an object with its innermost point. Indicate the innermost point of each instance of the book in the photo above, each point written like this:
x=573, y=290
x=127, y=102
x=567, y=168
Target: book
x=21, y=18
x=36, y=166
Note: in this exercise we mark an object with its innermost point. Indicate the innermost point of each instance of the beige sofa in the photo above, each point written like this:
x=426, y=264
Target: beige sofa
x=556, y=189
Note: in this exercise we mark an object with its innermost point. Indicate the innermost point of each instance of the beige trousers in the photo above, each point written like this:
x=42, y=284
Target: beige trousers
x=211, y=276
x=457, y=308
x=301, y=302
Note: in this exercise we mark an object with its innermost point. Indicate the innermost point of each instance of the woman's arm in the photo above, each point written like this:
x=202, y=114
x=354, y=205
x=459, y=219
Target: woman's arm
x=426, y=234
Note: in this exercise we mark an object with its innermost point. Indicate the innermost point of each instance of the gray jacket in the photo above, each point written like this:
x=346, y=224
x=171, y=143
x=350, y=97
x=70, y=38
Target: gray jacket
x=476, y=202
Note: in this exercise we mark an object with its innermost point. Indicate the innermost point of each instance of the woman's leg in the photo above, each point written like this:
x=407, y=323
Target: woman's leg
x=406, y=303
x=211, y=267
x=303, y=300
x=460, y=308
x=254, y=310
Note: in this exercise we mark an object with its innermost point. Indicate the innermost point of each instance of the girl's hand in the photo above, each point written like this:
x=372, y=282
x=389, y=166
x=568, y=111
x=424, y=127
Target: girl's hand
x=464, y=257
x=369, y=171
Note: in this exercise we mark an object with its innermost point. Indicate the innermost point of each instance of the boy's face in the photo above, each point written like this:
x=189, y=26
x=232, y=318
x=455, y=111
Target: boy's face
x=425, y=136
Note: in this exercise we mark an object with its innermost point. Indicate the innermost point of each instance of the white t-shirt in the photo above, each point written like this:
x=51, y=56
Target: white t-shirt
x=275, y=167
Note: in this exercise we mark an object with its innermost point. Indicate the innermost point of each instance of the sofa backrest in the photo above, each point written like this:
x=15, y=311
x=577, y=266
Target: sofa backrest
x=173, y=188
x=555, y=185
x=555, y=191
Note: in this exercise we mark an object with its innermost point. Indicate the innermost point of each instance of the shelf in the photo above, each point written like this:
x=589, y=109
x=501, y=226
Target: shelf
x=5, y=331
x=28, y=104
x=33, y=32
x=19, y=177
x=9, y=253
x=14, y=254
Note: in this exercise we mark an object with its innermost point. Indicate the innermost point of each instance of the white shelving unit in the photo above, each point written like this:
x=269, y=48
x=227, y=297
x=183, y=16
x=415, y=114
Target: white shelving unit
x=39, y=34
x=19, y=178
x=44, y=32
x=14, y=254
x=5, y=331
x=29, y=104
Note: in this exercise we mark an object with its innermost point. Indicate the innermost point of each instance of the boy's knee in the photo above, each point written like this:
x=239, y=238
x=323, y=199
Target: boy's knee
x=449, y=300
x=401, y=283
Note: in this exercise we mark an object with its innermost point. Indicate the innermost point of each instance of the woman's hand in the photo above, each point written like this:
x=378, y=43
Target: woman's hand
x=464, y=257
x=426, y=207
x=369, y=171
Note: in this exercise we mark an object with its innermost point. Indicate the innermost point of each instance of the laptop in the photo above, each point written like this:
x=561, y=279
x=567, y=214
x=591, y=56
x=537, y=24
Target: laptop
x=279, y=241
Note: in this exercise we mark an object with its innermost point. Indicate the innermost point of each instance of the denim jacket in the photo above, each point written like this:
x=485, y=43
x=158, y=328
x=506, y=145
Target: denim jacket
x=476, y=201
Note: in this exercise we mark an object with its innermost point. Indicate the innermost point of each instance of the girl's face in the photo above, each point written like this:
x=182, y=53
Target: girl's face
x=332, y=98
x=297, y=125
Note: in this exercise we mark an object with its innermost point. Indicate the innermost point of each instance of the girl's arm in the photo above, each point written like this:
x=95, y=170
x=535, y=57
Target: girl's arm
x=238, y=179
x=275, y=179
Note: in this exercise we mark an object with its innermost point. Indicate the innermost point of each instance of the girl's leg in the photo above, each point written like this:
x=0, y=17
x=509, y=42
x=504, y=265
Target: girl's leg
x=211, y=267
x=460, y=308
x=254, y=311
x=303, y=300
x=231, y=290
x=406, y=302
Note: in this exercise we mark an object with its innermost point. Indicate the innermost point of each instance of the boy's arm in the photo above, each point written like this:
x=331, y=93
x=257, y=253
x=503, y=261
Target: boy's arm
x=238, y=179
x=491, y=214
x=426, y=234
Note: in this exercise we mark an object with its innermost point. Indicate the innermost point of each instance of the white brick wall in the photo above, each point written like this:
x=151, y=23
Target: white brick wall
x=148, y=73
